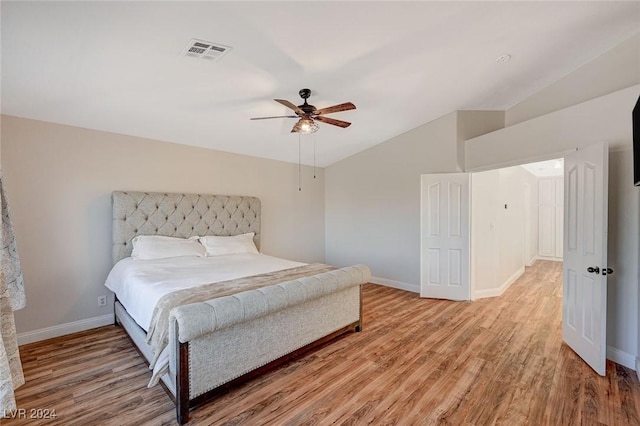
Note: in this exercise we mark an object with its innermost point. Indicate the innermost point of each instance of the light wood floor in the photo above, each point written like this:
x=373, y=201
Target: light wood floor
x=493, y=361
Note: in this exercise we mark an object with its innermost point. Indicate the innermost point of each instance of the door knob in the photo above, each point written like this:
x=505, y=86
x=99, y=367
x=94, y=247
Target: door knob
x=593, y=270
x=607, y=271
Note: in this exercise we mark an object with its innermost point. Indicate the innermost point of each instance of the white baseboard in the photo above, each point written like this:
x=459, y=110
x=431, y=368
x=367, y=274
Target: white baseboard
x=414, y=288
x=621, y=357
x=62, y=329
x=553, y=259
x=494, y=292
x=532, y=262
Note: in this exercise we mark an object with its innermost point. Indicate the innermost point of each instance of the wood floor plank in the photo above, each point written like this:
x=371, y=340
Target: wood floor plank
x=417, y=362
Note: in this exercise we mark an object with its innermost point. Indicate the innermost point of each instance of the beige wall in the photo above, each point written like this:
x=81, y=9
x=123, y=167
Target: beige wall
x=497, y=233
x=615, y=70
x=485, y=240
x=511, y=222
x=373, y=200
x=472, y=124
x=59, y=180
x=604, y=119
x=623, y=254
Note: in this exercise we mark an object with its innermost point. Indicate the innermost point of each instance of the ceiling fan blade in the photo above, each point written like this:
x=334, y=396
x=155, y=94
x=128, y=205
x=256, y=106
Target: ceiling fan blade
x=296, y=127
x=290, y=105
x=333, y=121
x=277, y=116
x=336, y=108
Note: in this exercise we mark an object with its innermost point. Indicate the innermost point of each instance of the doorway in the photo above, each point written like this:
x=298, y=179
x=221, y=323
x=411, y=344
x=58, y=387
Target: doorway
x=584, y=251
x=517, y=217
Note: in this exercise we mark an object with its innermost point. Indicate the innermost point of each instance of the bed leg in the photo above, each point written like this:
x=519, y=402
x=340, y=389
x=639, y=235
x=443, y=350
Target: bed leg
x=358, y=327
x=115, y=316
x=182, y=383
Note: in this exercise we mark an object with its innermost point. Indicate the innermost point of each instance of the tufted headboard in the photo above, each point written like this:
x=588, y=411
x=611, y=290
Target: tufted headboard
x=180, y=215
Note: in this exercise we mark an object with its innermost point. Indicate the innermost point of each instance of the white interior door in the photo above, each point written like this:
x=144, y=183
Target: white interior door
x=547, y=218
x=559, y=194
x=444, y=227
x=584, y=304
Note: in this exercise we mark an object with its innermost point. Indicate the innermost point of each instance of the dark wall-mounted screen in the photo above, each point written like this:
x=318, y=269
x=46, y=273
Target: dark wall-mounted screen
x=636, y=143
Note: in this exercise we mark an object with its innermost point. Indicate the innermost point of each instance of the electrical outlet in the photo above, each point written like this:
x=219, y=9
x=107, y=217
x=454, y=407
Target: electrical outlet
x=102, y=301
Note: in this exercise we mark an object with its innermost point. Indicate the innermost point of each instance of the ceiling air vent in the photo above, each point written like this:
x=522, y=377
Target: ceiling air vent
x=205, y=50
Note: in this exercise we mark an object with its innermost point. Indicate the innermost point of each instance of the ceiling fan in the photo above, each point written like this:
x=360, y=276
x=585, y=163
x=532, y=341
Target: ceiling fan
x=309, y=114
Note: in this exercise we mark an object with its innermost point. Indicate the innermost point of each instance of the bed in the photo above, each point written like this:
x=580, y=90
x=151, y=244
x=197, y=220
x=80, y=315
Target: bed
x=286, y=308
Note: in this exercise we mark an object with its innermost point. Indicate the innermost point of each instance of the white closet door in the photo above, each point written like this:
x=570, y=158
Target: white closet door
x=550, y=217
x=559, y=207
x=547, y=218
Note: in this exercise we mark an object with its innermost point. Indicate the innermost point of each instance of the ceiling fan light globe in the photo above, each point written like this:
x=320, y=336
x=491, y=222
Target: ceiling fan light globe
x=307, y=126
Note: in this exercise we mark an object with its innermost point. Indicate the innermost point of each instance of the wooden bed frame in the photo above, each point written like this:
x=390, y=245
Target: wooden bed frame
x=319, y=308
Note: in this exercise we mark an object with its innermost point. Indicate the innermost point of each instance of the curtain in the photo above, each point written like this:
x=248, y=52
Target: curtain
x=12, y=298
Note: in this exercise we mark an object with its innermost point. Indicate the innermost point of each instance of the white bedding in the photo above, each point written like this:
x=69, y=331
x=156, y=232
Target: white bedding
x=139, y=284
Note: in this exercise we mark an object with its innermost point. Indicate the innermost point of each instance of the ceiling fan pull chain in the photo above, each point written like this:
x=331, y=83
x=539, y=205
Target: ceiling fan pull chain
x=314, y=155
x=299, y=162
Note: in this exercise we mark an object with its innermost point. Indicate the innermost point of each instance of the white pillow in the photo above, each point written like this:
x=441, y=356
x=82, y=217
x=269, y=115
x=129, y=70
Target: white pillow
x=219, y=246
x=147, y=247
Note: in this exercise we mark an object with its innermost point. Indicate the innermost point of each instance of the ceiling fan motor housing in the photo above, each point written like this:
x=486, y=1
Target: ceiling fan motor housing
x=307, y=108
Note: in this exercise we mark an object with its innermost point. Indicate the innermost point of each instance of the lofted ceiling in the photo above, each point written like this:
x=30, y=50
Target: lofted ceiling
x=115, y=66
